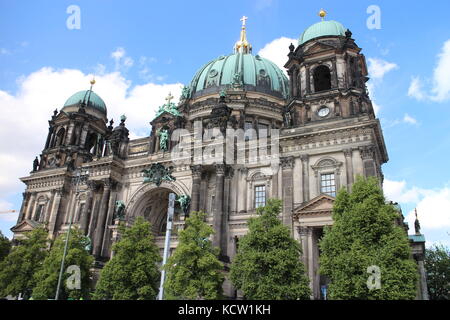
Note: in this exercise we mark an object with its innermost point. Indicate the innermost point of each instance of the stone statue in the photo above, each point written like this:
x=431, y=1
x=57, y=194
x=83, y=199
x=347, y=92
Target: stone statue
x=163, y=139
x=237, y=82
x=35, y=164
x=184, y=201
x=185, y=93
x=87, y=243
x=119, y=212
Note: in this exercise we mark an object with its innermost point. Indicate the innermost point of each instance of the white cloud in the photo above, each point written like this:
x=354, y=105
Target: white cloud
x=25, y=113
x=277, y=51
x=440, y=81
x=433, y=210
x=378, y=68
x=441, y=78
x=408, y=119
x=433, y=206
x=123, y=62
x=4, y=51
x=371, y=89
x=415, y=89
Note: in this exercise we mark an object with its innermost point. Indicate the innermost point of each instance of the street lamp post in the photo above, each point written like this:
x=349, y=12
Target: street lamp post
x=167, y=243
x=58, y=287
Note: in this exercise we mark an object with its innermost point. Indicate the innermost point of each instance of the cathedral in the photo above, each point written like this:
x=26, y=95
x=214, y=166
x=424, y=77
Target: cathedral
x=241, y=133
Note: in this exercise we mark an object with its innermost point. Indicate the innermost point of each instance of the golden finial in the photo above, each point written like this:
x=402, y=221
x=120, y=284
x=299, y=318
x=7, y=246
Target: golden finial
x=322, y=14
x=243, y=45
x=92, y=82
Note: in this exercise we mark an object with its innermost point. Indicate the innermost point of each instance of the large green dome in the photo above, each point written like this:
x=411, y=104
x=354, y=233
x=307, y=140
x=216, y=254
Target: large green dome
x=89, y=97
x=252, y=73
x=321, y=29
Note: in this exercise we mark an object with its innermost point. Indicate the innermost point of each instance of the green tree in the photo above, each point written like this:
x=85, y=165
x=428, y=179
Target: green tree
x=365, y=234
x=24, y=260
x=267, y=265
x=5, y=246
x=47, y=277
x=133, y=272
x=437, y=266
x=194, y=270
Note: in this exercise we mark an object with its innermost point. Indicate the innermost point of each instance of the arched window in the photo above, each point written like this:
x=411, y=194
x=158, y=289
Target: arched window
x=60, y=137
x=322, y=78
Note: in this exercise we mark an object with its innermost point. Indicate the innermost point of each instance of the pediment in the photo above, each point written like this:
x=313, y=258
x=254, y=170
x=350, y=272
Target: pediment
x=322, y=204
x=318, y=47
x=25, y=226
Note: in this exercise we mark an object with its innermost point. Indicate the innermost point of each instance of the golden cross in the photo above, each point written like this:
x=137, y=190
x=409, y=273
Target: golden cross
x=169, y=97
x=243, y=19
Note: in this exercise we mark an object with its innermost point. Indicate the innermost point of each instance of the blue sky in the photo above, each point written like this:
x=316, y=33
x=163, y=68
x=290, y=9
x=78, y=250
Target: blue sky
x=140, y=50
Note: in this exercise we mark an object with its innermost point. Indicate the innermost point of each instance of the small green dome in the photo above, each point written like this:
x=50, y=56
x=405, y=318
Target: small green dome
x=252, y=73
x=322, y=28
x=89, y=97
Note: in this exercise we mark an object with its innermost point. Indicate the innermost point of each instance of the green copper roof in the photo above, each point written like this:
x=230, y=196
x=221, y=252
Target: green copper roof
x=416, y=238
x=322, y=28
x=252, y=73
x=89, y=97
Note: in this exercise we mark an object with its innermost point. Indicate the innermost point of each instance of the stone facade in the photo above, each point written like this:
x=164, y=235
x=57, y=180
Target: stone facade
x=327, y=135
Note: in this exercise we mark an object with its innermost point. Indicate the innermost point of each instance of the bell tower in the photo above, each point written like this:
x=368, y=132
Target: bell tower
x=327, y=79
x=77, y=133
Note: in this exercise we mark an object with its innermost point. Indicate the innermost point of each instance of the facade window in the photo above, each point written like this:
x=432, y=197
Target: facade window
x=262, y=127
x=322, y=78
x=260, y=196
x=38, y=214
x=328, y=184
x=249, y=130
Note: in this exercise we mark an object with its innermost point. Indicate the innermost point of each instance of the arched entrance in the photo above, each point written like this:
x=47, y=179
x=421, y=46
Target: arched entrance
x=152, y=205
x=151, y=202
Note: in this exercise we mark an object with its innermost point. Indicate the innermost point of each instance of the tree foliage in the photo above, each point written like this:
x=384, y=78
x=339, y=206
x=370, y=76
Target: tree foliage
x=364, y=234
x=5, y=246
x=47, y=277
x=24, y=260
x=133, y=271
x=194, y=270
x=267, y=264
x=437, y=266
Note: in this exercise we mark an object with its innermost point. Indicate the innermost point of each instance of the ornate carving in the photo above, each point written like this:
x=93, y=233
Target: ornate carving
x=287, y=162
x=197, y=170
x=220, y=169
x=157, y=173
x=367, y=152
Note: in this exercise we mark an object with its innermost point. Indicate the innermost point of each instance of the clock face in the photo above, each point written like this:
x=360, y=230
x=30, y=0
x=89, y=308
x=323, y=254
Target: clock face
x=323, y=112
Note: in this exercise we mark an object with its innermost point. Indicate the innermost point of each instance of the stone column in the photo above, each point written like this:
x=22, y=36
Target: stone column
x=30, y=205
x=348, y=153
x=308, y=84
x=109, y=222
x=55, y=210
x=49, y=137
x=305, y=177
x=287, y=166
x=25, y=198
x=310, y=259
x=83, y=135
x=226, y=211
x=303, y=234
x=101, y=220
x=195, y=193
x=218, y=205
x=70, y=133
x=203, y=191
x=84, y=223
